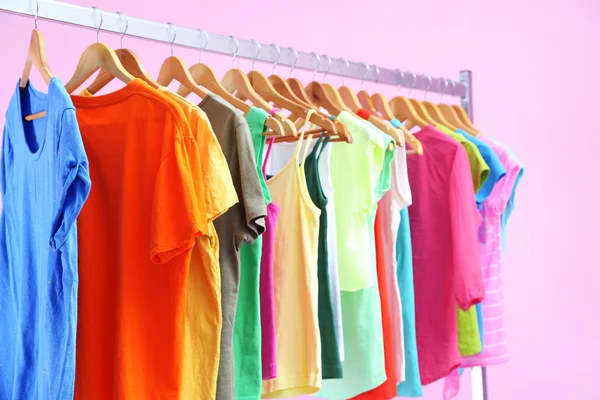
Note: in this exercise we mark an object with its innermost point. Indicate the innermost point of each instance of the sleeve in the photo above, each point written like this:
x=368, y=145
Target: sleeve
x=464, y=224
x=5, y=160
x=404, y=192
x=504, y=189
x=253, y=200
x=178, y=212
x=74, y=179
x=220, y=194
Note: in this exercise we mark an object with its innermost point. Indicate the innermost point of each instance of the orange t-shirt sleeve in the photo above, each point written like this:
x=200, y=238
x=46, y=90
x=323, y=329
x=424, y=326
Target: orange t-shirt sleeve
x=178, y=213
x=218, y=184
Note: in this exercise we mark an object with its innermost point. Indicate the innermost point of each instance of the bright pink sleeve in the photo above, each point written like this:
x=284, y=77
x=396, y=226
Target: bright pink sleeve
x=464, y=224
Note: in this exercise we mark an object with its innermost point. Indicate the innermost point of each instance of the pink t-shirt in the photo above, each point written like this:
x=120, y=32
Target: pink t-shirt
x=444, y=221
x=398, y=197
x=495, y=350
x=267, y=289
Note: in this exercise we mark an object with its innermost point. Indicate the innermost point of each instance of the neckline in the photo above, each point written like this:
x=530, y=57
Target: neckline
x=44, y=98
x=109, y=98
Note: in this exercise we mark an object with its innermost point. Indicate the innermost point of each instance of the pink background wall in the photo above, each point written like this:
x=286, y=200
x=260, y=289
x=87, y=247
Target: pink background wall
x=537, y=76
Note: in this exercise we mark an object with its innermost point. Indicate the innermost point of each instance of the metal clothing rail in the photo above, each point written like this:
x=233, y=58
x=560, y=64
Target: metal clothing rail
x=220, y=44
x=169, y=33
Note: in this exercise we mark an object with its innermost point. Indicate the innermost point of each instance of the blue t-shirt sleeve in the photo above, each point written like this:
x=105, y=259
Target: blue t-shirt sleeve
x=75, y=179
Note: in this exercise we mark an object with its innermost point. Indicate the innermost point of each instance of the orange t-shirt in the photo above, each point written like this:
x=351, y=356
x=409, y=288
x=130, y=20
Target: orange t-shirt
x=387, y=390
x=203, y=312
x=136, y=232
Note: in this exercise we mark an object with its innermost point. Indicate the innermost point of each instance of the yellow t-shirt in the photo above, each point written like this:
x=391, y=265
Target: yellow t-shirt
x=203, y=306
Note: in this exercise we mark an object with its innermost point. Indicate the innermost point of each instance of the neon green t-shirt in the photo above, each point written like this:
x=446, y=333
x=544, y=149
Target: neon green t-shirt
x=469, y=342
x=358, y=174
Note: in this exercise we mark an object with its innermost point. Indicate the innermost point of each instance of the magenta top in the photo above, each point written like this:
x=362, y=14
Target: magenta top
x=267, y=289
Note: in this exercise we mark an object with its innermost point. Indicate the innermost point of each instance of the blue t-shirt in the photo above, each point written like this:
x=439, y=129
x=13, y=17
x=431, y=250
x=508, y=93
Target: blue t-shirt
x=411, y=387
x=44, y=182
x=497, y=171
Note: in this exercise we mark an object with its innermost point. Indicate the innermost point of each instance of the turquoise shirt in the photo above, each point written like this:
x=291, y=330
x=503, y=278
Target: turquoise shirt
x=411, y=387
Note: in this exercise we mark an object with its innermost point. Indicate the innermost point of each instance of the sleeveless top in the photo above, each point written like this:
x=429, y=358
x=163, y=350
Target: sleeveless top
x=330, y=354
x=267, y=289
x=296, y=287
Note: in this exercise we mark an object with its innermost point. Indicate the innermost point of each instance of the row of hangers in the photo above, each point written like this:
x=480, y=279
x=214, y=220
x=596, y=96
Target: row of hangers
x=239, y=88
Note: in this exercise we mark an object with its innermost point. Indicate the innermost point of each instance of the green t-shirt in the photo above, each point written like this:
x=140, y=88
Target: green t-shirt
x=469, y=342
x=331, y=365
x=247, y=334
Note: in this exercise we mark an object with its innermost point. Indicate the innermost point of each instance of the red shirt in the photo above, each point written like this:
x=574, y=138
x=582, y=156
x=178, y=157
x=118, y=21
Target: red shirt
x=387, y=390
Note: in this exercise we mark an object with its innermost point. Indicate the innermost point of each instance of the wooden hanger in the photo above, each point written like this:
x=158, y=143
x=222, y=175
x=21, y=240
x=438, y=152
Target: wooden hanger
x=174, y=69
x=422, y=111
x=383, y=107
x=351, y=100
x=36, y=57
x=264, y=88
x=437, y=115
x=452, y=117
x=464, y=117
x=131, y=63
x=96, y=56
x=203, y=75
x=235, y=81
x=128, y=59
x=282, y=87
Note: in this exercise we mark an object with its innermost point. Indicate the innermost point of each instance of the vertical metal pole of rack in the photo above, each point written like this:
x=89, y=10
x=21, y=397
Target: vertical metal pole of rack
x=479, y=388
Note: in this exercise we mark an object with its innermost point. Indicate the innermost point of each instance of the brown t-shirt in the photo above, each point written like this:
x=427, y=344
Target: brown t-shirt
x=242, y=222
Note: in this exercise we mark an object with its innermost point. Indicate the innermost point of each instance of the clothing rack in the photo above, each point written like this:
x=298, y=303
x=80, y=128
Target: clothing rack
x=169, y=33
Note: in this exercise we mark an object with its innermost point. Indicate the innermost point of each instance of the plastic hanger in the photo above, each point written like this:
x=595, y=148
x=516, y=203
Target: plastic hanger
x=235, y=81
x=203, y=75
x=128, y=59
x=36, y=57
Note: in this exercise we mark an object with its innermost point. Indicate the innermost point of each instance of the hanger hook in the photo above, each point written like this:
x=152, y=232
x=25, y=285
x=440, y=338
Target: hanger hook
x=400, y=79
x=36, y=13
x=124, y=30
x=252, y=44
x=413, y=84
x=96, y=9
x=236, y=46
x=326, y=71
x=453, y=83
x=442, y=85
x=426, y=86
x=275, y=55
x=293, y=57
x=367, y=70
x=203, y=34
x=314, y=56
x=170, y=26
x=377, y=72
x=344, y=70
